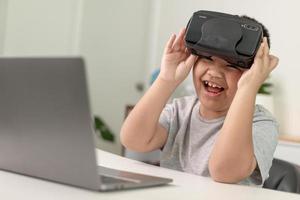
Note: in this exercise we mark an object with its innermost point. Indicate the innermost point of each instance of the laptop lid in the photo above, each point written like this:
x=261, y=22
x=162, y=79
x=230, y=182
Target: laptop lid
x=45, y=122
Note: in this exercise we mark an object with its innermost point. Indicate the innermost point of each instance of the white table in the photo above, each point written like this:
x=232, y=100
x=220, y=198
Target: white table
x=185, y=186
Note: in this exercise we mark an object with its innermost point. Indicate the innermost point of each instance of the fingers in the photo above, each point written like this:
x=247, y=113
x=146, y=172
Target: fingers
x=266, y=46
x=266, y=54
x=179, y=42
x=169, y=45
x=263, y=60
x=263, y=53
x=176, y=43
x=273, y=61
x=181, y=39
x=190, y=61
x=269, y=60
x=260, y=51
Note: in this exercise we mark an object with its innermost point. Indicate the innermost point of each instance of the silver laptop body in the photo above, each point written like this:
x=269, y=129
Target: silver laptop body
x=46, y=128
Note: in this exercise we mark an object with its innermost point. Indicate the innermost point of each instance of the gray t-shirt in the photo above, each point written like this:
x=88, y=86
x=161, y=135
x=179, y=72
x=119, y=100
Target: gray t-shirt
x=191, y=139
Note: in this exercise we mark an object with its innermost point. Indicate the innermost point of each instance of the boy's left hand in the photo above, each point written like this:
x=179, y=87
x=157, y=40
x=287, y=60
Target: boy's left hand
x=262, y=66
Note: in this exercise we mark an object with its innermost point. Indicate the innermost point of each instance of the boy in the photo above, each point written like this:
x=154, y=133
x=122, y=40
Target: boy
x=218, y=133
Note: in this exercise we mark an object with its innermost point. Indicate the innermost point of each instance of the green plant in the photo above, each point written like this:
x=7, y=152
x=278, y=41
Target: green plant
x=265, y=88
x=103, y=130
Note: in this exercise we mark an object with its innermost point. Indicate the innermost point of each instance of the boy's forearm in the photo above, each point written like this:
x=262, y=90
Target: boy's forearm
x=232, y=157
x=140, y=125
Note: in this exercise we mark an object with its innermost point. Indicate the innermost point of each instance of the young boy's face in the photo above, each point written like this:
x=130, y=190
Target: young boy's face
x=215, y=83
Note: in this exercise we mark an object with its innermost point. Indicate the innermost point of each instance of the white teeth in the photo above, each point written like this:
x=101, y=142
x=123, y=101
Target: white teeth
x=212, y=84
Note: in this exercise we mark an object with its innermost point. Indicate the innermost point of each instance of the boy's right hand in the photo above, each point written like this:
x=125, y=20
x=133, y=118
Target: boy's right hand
x=176, y=61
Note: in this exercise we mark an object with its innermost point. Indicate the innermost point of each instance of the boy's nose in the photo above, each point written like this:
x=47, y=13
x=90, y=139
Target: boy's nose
x=213, y=71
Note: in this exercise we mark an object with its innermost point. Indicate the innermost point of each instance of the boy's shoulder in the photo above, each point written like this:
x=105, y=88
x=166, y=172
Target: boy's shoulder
x=261, y=113
x=182, y=105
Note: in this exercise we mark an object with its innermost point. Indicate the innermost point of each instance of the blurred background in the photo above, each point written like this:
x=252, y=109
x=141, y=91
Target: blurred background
x=122, y=44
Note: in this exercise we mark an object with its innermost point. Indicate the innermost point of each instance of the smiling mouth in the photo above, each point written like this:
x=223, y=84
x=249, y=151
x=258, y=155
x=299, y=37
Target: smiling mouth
x=212, y=88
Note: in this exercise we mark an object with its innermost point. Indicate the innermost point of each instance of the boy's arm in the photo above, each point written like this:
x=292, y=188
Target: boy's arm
x=232, y=158
x=141, y=130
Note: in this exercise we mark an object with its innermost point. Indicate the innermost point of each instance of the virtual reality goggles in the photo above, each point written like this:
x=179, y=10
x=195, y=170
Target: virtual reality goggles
x=229, y=37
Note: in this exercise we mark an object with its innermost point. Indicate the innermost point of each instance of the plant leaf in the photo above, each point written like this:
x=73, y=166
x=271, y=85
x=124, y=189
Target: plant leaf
x=103, y=129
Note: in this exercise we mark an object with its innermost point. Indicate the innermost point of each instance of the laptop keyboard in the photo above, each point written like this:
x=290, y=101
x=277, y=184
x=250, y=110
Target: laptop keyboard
x=112, y=180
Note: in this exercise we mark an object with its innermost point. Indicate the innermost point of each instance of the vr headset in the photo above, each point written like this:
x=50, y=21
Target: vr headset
x=229, y=37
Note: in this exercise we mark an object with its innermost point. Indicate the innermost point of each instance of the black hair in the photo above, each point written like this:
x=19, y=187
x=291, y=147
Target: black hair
x=265, y=30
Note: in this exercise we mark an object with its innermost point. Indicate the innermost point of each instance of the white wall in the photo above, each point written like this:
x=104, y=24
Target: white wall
x=3, y=8
x=280, y=17
x=42, y=27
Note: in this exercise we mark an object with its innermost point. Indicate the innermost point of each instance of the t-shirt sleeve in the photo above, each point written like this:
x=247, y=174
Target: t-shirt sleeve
x=165, y=116
x=265, y=133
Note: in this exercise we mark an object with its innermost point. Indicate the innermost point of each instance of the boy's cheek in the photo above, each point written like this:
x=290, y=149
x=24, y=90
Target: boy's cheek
x=199, y=69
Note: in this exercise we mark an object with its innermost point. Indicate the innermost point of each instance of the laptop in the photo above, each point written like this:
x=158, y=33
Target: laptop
x=46, y=127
